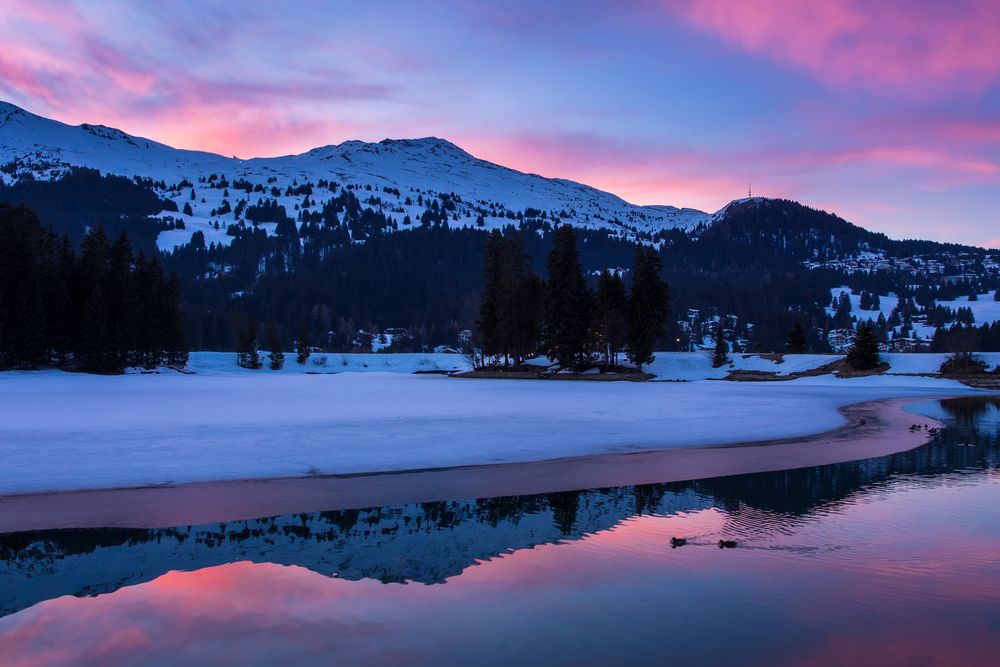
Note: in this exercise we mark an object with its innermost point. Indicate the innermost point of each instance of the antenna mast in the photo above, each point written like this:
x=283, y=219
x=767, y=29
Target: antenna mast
x=749, y=191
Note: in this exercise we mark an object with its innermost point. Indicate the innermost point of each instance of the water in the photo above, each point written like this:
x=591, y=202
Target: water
x=894, y=560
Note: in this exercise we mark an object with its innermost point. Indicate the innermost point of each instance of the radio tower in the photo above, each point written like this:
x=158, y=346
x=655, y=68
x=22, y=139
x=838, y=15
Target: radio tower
x=749, y=191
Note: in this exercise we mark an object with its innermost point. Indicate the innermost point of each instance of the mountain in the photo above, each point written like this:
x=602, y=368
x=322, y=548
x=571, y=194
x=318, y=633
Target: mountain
x=351, y=240
x=397, y=168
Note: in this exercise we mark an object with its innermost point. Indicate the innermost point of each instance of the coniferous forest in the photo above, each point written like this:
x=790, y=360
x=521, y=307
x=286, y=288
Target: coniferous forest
x=99, y=309
x=347, y=264
x=521, y=315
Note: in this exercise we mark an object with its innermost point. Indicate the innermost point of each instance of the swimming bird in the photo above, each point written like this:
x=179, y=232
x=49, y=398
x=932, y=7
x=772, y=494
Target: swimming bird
x=727, y=544
x=677, y=542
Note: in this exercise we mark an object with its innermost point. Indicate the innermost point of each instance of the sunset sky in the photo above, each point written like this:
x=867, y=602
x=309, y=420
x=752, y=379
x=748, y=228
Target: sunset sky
x=884, y=111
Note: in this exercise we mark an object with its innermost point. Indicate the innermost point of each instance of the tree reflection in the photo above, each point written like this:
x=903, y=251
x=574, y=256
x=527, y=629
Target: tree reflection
x=429, y=542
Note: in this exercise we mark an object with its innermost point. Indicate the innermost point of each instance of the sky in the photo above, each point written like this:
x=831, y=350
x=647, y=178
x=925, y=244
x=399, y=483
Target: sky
x=886, y=112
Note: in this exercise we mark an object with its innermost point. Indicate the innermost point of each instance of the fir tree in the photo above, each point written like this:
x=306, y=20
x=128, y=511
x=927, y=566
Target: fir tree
x=567, y=304
x=796, y=340
x=172, y=317
x=720, y=356
x=612, y=315
x=488, y=322
x=302, y=346
x=276, y=357
x=863, y=355
x=649, y=306
x=120, y=307
x=248, y=348
x=529, y=297
x=91, y=351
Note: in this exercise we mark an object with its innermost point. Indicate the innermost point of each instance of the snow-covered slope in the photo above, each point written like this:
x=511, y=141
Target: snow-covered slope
x=46, y=148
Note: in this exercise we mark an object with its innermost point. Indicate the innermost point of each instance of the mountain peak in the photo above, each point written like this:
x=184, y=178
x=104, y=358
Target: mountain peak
x=47, y=149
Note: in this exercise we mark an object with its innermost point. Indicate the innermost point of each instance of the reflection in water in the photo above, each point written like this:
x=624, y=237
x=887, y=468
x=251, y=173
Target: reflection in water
x=895, y=558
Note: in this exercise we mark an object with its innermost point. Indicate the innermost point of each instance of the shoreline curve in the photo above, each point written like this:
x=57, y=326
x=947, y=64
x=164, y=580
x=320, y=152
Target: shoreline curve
x=873, y=429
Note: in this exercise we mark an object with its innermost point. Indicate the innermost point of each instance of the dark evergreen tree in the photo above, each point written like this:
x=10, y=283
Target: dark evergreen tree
x=24, y=254
x=61, y=310
x=720, y=355
x=612, y=308
x=864, y=355
x=650, y=306
x=248, y=350
x=276, y=357
x=119, y=303
x=529, y=301
x=172, y=318
x=510, y=308
x=488, y=321
x=92, y=352
x=797, y=343
x=302, y=346
x=566, y=335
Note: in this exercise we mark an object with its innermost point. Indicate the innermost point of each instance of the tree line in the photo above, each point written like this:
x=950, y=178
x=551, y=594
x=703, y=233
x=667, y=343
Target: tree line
x=521, y=315
x=98, y=310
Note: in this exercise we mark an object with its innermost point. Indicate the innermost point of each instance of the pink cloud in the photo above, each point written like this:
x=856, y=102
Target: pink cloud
x=898, y=43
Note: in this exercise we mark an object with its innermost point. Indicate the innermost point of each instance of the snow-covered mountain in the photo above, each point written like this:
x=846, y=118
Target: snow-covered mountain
x=405, y=168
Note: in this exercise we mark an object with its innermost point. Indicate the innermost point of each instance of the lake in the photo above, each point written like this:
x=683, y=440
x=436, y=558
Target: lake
x=890, y=560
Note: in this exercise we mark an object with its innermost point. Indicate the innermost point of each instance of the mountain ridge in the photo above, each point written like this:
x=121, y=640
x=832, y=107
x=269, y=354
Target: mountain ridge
x=46, y=149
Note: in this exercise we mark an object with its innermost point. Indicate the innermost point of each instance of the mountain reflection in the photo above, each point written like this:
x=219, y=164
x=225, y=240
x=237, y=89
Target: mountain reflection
x=430, y=542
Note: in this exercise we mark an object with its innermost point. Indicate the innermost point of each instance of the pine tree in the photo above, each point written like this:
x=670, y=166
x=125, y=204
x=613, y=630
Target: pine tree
x=120, y=308
x=61, y=308
x=175, y=339
x=92, y=273
x=248, y=350
x=302, y=346
x=23, y=257
x=797, y=340
x=488, y=322
x=720, y=356
x=866, y=300
x=510, y=306
x=863, y=355
x=91, y=350
x=156, y=302
x=567, y=304
x=612, y=315
x=529, y=297
x=650, y=306
x=276, y=356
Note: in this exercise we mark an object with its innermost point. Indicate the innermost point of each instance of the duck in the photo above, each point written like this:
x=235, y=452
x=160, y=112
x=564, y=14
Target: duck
x=727, y=544
x=677, y=542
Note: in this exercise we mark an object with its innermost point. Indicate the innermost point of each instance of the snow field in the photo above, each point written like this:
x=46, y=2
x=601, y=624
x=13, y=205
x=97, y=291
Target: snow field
x=69, y=431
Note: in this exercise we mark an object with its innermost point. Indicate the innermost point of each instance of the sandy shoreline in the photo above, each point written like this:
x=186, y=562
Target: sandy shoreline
x=875, y=428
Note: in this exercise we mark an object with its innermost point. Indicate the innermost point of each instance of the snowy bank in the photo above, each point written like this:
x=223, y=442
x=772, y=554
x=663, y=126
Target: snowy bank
x=67, y=431
x=333, y=362
x=666, y=366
